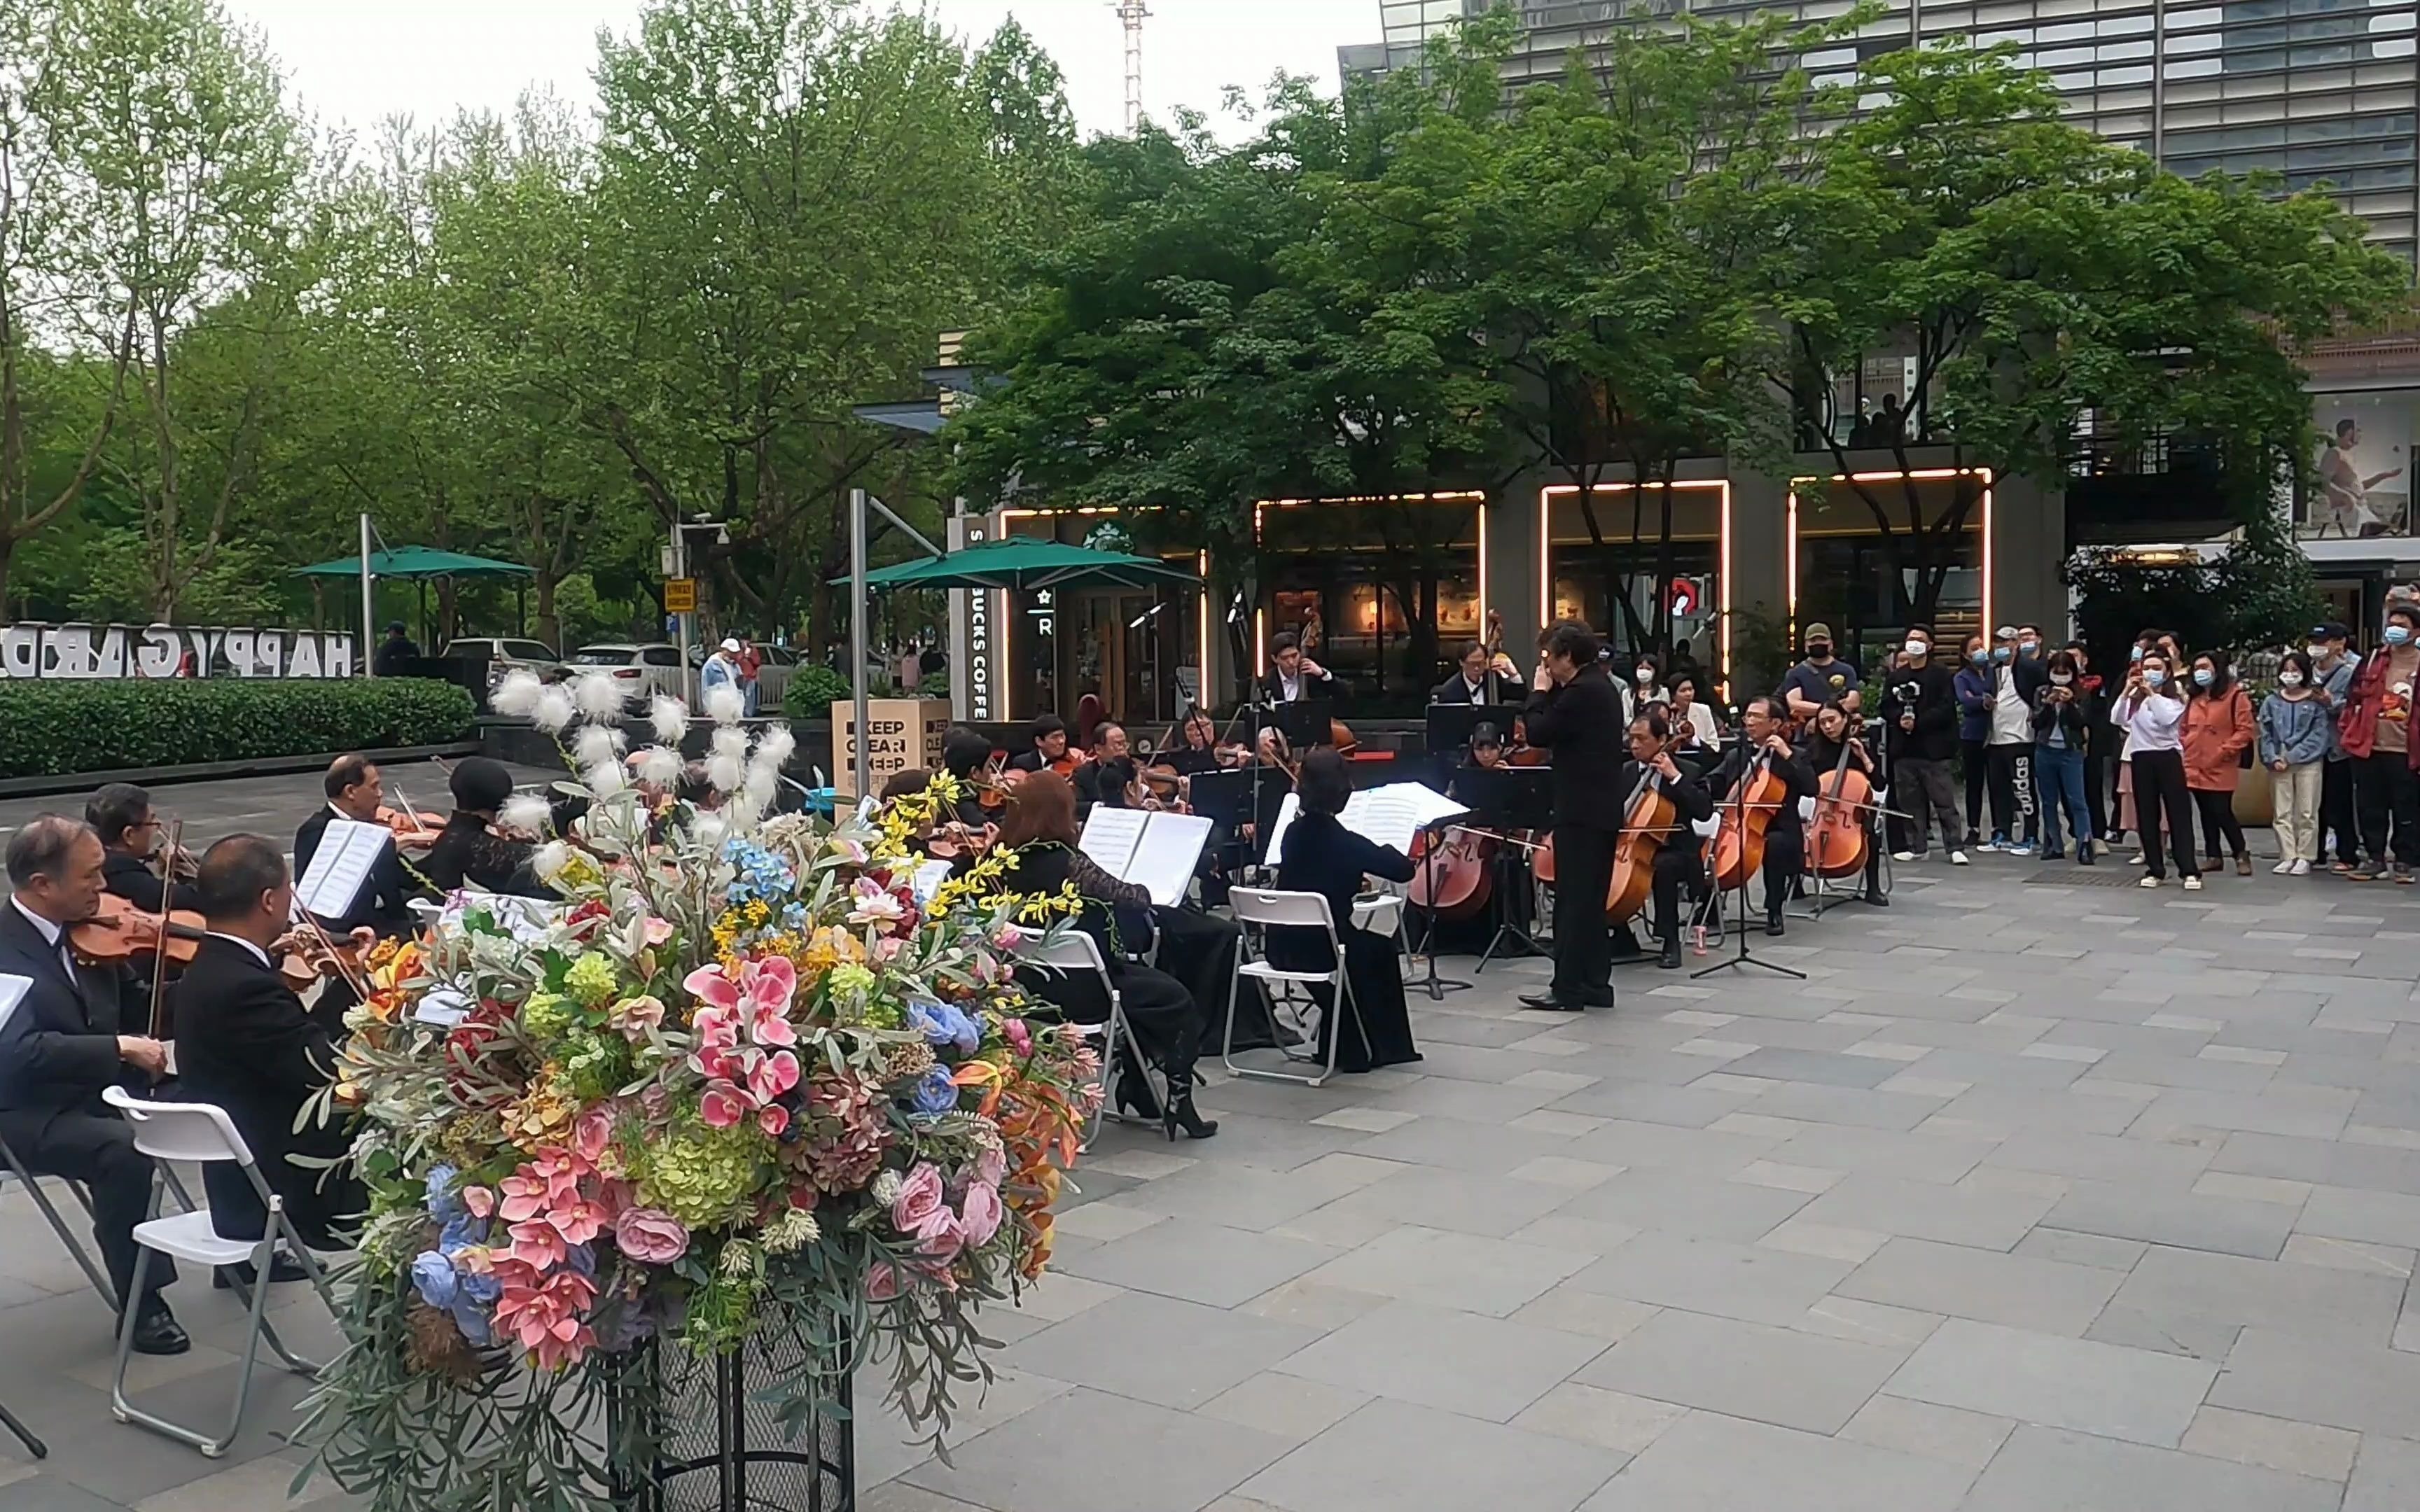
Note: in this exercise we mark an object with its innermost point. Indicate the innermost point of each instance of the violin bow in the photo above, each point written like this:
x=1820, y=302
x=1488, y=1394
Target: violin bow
x=160, y=958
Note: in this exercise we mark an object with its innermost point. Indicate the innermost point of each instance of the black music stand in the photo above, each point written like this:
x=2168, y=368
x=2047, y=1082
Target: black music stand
x=1507, y=798
x=1739, y=811
x=1435, y=985
x=1304, y=722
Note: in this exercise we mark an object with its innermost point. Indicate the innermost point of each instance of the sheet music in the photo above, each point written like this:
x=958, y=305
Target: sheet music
x=1168, y=855
x=340, y=867
x=12, y=992
x=1290, y=806
x=1391, y=815
x=928, y=880
x=1111, y=836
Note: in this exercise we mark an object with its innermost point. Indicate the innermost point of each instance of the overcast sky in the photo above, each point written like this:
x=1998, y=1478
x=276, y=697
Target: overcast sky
x=359, y=60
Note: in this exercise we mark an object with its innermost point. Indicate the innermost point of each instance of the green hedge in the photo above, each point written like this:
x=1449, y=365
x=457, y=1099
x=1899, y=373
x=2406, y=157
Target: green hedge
x=51, y=727
x=813, y=691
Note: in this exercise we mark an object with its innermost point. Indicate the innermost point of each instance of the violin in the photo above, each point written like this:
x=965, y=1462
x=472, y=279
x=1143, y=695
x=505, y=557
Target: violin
x=120, y=933
x=1739, y=844
x=1162, y=787
x=410, y=827
x=303, y=961
x=1067, y=761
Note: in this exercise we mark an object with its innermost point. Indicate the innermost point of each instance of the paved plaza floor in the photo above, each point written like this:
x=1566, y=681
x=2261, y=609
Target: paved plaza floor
x=2030, y=1196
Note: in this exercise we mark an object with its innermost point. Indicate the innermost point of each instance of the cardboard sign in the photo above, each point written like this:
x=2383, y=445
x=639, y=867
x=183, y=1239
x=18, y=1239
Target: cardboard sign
x=900, y=733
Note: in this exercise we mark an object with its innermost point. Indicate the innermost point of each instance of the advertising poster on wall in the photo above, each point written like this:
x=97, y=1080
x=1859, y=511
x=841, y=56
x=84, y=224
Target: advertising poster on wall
x=2364, y=483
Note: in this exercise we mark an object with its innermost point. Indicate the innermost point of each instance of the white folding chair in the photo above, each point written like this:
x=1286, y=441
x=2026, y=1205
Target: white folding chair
x=1259, y=910
x=13, y=1169
x=202, y=1134
x=1067, y=952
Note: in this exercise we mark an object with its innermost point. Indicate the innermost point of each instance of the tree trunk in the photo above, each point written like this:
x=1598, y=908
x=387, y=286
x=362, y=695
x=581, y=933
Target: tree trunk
x=549, y=630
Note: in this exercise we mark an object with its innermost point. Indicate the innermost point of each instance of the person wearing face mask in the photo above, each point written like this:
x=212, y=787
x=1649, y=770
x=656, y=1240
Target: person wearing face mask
x=2219, y=730
x=2062, y=734
x=2295, y=735
x=1973, y=690
x=1646, y=686
x=2332, y=672
x=1920, y=729
x=1818, y=679
x=2375, y=726
x=2009, y=749
x=2153, y=715
x=2100, y=742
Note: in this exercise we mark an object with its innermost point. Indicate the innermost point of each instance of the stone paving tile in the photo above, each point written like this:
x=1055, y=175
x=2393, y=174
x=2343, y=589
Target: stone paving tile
x=2016, y=1290
x=2124, y=1209
x=1709, y=1275
x=1923, y=1209
x=1455, y=1361
x=2043, y=1467
x=1710, y=1463
x=1032, y=1463
x=2060, y=1383
x=1398, y=1456
x=1751, y=1370
x=2385, y=1475
x=2308, y=1302
x=2364, y=1390
x=1471, y=1273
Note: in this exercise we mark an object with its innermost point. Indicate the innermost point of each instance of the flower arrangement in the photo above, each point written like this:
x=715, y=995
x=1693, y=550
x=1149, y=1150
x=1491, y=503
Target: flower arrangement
x=738, y=1077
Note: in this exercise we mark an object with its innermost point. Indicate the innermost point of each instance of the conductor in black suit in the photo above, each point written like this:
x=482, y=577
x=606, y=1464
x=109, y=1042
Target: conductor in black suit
x=1577, y=711
x=1476, y=682
x=63, y=1043
x=245, y=1043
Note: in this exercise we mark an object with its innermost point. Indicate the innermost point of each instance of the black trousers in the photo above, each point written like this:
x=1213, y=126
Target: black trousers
x=1200, y=952
x=1785, y=861
x=2386, y=791
x=1583, y=946
x=98, y=1149
x=2218, y=820
x=1971, y=761
x=1676, y=867
x=2159, y=788
x=2337, y=812
x=1921, y=789
x=2096, y=788
x=1165, y=1017
x=2015, y=815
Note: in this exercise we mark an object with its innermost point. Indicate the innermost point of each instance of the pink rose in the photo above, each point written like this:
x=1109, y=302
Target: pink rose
x=889, y=948
x=1008, y=937
x=591, y=1134
x=980, y=1213
x=723, y=1106
x=881, y=1282
x=650, y=1237
x=1020, y=1039
x=991, y=1166
x=941, y=1236
x=920, y=1196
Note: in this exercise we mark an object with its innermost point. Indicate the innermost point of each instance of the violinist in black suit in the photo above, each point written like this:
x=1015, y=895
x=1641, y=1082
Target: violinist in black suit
x=1654, y=763
x=63, y=1042
x=1576, y=710
x=246, y=1044
x=1785, y=839
x=120, y=813
x=1476, y=682
x=356, y=790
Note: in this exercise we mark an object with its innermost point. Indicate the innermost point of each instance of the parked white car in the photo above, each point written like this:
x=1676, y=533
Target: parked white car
x=643, y=669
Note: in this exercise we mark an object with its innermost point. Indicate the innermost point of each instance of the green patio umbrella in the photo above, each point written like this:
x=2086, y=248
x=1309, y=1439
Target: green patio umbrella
x=417, y=562
x=1028, y=566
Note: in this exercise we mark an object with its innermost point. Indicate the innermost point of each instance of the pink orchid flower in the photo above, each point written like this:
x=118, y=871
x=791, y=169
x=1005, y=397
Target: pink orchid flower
x=873, y=904
x=774, y=1075
x=479, y=1201
x=771, y=984
x=525, y=1197
x=723, y=1106
x=538, y=1245
x=773, y=1120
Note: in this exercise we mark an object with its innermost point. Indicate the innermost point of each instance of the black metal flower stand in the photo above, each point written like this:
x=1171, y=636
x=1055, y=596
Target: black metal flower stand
x=719, y=1446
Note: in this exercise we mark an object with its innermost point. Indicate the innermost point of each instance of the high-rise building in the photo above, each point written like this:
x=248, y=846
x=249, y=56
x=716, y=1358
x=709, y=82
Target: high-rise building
x=2315, y=89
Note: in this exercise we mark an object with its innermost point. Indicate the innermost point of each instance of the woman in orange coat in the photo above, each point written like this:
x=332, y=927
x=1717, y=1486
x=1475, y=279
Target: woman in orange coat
x=2219, y=728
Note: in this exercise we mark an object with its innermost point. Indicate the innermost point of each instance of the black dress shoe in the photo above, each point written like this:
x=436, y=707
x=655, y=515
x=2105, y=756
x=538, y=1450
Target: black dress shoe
x=282, y=1267
x=1773, y=926
x=1670, y=957
x=1550, y=1003
x=1877, y=899
x=157, y=1332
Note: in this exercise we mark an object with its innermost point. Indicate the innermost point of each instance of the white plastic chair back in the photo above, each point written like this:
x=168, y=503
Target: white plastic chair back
x=1285, y=910
x=1707, y=829
x=1807, y=811
x=1072, y=950
x=195, y=1132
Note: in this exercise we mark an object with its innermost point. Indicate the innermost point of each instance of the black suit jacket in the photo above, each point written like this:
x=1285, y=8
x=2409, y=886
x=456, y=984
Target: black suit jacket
x=1331, y=688
x=1582, y=723
x=382, y=902
x=60, y=1048
x=132, y=878
x=245, y=1043
x=1493, y=687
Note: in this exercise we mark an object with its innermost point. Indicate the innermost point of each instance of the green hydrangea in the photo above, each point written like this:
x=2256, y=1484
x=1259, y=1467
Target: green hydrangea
x=592, y=981
x=597, y=1066
x=701, y=1176
x=849, y=979
x=548, y=1017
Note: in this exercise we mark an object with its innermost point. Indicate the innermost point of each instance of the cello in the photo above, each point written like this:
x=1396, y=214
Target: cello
x=1647, y=820
x=1746, y=814
x=1455, y=878
x=1837, y=836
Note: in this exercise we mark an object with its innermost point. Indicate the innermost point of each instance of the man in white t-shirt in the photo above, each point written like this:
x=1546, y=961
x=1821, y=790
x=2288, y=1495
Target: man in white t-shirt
x=2009, y=748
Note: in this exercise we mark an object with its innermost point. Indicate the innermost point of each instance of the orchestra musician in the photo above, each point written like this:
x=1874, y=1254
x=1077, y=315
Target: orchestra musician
x=1049, y=750
x=963, y=752
x=1197, y=750
x=1836, y=732
x=1294, y=676
x=1576, y=710
x=1476, y=682
x=1766, y=724
x=63, y=1043
x=470, y=849
x=121, y=814
x=357, y=792
x=1654, y=763
x=246, y=1044
x=1320, y=855
x=1107, y=776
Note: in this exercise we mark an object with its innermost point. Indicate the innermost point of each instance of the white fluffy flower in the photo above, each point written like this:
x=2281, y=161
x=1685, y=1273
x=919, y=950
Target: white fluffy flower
x=517, y=695
x=730, y=743
x=598, y=745
x=744, y=807
x=549, y=859
x=725, y=772
x=758, y=787
x=599, y=695
x=606, y=778
x=725, y=704
x=554, y=709
x=775, y=745
x=670, y=717
x=710, y=828
x=659, y=765
x=526, y=814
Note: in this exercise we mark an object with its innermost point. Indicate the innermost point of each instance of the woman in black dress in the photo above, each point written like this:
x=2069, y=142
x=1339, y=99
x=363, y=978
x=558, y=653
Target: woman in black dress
x=1039, y=823
x=1320, y=855
x=468, y=851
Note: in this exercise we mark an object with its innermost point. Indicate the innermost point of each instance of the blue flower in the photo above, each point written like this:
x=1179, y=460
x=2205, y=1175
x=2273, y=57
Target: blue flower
x=943, y=1024
x=935, y=1092
x=460, y=1231
x=583, y=1259
x=473, y=1322
x=433, y=1276
x=443, y=1203
x=481, y=1289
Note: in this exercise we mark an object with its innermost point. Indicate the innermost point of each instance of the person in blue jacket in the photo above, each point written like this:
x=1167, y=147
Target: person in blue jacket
x=1975, y=687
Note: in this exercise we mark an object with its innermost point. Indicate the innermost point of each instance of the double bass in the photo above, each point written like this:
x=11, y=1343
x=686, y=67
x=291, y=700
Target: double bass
x=1837, y=836
x=1739, y=843
x=1312, y=633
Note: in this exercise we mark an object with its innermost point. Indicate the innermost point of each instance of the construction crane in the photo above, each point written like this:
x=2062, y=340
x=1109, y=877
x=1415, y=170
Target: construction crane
x=1133, y=12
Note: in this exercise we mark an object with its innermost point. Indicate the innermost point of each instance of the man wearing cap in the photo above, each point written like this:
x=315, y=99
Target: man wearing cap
x=2333, y=671
x=722, y=669
x=1820, y=679
x=395, y=654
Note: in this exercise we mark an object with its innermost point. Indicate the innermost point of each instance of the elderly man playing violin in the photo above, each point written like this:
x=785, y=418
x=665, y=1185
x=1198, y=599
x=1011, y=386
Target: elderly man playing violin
x=63, y=1042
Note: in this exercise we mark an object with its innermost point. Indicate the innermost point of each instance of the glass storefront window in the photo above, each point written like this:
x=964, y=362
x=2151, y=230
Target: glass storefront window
x=2362, y=485
x=1126, y=647
x=1847, y=574
x=1614, y=564
x=1388, y=586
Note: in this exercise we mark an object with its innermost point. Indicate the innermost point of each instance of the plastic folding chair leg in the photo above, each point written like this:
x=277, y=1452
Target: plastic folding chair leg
x=50, y=1212
x=25, y=1435
x=256, y=1300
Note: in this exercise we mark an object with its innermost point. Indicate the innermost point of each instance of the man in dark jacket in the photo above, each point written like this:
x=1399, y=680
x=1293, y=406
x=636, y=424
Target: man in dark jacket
x=1920, y=722
x=120, y=813
x=62, y=1042
x=1764, y=720
x=356, y=790
x=245, y=1043
x=1575, y=711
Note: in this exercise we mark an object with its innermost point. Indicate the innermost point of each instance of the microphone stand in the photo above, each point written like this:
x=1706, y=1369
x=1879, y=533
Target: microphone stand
x=1739, y=817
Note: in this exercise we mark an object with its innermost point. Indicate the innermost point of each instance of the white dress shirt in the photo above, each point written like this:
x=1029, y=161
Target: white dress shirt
x=258, y=953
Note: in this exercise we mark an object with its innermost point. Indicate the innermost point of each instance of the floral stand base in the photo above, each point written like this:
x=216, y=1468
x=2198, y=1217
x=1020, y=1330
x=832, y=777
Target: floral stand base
x=721, y=1447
